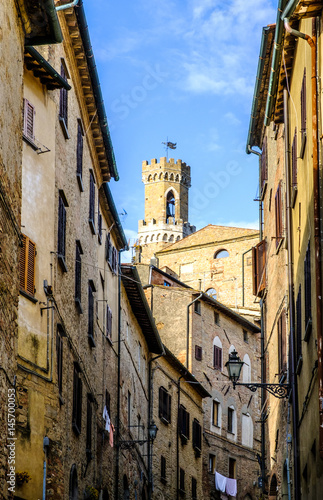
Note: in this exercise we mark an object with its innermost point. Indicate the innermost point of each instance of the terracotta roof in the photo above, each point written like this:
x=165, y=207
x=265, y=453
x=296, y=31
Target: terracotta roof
x=210, y=234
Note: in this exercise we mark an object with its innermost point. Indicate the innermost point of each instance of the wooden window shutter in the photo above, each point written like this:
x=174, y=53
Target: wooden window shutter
x=63, y=103
x=79, y=403
x=299, y=324
x=90, y=311
x=78, y=273
x=79, y=150
x=61, y=227
x=255, y=279
x=160, y=406
x=27, y=266
x=92, y=198
x=307, y=285
x=294, y=160
x=89, y=426
x=284, y=341
x=29, y=120
x=259, y=268
x=278, y=215
x=108, y=322
x=303, y=105
x=59, y=352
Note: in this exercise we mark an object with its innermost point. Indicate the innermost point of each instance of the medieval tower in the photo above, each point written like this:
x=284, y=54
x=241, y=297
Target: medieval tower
x=166, y=206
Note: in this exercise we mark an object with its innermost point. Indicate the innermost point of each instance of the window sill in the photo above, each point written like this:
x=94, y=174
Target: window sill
x=92, y=226
x=30, y=142
x=231, y=433
x=62, y=263
x=64, y=127
x=80, y=182
x=164, y=420
x=308, y=330
x=78, y=305
x=28, y=296
x=279, y=244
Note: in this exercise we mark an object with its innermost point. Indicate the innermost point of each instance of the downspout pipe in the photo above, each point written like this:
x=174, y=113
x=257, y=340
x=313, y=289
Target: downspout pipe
x=67, y=5
x=188, y=328
x=292, y=368
x=316, y=198
x=177, y=435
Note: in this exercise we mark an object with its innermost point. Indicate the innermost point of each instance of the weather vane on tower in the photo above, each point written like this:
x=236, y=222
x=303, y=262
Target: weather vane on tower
x=169, y=145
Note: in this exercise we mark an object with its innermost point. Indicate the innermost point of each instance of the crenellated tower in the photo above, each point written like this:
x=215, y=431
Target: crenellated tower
x=166, y=205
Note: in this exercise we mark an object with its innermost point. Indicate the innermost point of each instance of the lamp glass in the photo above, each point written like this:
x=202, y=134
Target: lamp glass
x=153, y=431
x=234, y=366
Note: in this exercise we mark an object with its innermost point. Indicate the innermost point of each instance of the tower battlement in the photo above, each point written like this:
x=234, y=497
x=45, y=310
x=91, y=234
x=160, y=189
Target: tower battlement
x=165, y=170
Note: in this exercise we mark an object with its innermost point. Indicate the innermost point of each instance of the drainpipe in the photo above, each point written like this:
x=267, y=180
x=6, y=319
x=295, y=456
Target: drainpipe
x=67, y=5
x=244, y=253
x=177, y=435
x=292, y=368
x=188, y=328
x=45, y=448
x=316, y=198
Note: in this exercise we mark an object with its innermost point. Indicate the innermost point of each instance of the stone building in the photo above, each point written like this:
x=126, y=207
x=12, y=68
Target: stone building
x=285, y=127
x=69, y=289
x=178, y=448
x=19, y=26
x=201, y=332
x=215, y=259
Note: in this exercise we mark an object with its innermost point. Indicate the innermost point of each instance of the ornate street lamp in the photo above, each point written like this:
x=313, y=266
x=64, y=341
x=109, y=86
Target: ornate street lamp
x=234, y=366
x=152, y=433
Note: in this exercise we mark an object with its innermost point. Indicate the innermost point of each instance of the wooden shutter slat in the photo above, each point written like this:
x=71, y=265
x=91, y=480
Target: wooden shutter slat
x=30, y=282
x=22, y=263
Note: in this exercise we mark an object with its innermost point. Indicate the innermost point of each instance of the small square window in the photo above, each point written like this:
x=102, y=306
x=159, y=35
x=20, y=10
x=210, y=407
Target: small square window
x=216, y=318
x=245, y=336
x=163, y=469
x=212, y=462
x=198, y=353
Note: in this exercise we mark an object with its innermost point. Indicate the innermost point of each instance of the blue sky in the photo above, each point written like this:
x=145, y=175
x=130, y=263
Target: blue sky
x=183, y=70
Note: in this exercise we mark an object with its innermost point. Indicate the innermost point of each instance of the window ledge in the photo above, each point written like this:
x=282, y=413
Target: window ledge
x=28, y=296
x=294, y=196
x=80, y=182
x=62, y=263
x=30, y=142
x=64, y=127
x=78, y=305
x=164, y=420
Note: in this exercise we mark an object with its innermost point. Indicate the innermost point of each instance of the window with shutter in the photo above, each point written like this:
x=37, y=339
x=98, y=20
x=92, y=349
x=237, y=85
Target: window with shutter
x=92, y=203
x=184, y=424
x=197, y=436
x=99, y=223
x=182, y=480
x=164, y=405
x=91, y=314
x=109, y=323
x=28, y=120
x=194, y=489
x=299, y=327
x=278, y=215
x=215, y=413
x=217, y=357
x=294, y=160
x=27, y=266
x=79, y=155
x=282, y=343
x=230, y=420
x=264, y=168
x=89, y=427
x=78, y=275
x=163, y=469
x=307, y=293
x=61, y=237
x=63, y=106
x=259, y=268
x=59, y=357
x=198, y=353
x=77, y=400
x=303, y=115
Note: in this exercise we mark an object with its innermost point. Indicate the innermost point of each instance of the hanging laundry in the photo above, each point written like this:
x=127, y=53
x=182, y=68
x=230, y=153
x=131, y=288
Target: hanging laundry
x=106, y=418
x=231, y=487
x=220, y=482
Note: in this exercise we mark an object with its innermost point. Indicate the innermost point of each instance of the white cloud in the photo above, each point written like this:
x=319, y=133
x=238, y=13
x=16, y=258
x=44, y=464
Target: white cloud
x=232, y=119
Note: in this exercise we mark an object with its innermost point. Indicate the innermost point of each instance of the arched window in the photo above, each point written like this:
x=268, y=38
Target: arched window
x=73, y=488
x=177, y=178
x=217, y=353
x=216, y=413
x=247, y=430
x=221, y=254
x=212, y=292
x=160, y=176
x=273, y=487
x=152, y=237
x=165, y=237
x=178, y=238
x=166, y=177
x=146, y=239
x=232, y=348
x=170, y=205
x=149, y=178
x=158, y=237
x=155, y=177
x=246, y=369
x=171, y=177
x=171, y=238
